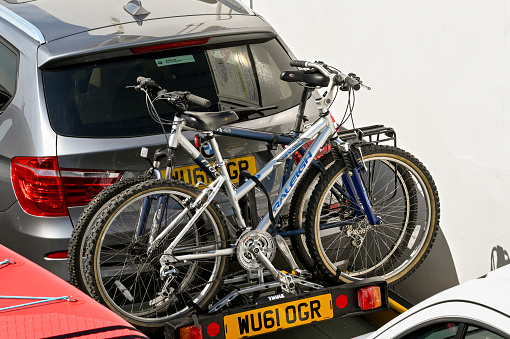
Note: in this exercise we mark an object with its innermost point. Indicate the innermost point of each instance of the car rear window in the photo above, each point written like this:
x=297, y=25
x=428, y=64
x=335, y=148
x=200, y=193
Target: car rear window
x=92, y=100
x=8, y=75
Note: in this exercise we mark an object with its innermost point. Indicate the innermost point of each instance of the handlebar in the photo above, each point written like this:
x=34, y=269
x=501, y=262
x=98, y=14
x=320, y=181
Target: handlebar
x=147, y=84
x=336, y=76
x=198, y=100
x=298, y=63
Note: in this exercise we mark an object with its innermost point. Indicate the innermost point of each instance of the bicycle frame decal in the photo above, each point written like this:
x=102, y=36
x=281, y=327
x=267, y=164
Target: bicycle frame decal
x=316, y=128
x=291, y=150
x=292, y=181
x=198, y=158
x=296, y=174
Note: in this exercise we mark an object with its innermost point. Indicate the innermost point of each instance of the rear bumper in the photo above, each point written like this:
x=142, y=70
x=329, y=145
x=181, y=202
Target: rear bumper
x=35, y=237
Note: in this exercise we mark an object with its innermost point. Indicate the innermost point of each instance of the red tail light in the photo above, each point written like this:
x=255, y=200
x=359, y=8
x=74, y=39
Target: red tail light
x=170, y=45
x=81, y=186
x=369, y=297
x=190, y=332
x=45, y=190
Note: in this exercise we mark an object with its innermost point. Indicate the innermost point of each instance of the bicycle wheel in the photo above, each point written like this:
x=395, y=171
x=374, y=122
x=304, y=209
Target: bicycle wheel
x=81, y=230
x=403, y=195
x=124, y=276
x=298, y=210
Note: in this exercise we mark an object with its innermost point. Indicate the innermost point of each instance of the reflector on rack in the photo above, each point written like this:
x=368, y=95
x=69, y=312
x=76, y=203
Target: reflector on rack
x=190, y=332
x=369, y=297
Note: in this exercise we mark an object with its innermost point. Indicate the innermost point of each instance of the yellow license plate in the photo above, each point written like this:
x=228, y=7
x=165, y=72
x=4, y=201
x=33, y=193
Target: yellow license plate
x=194, y=174
x=272, y=318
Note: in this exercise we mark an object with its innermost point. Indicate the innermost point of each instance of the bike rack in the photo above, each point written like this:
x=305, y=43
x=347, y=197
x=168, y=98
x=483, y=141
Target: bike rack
x=342, y=300
x=375, y=134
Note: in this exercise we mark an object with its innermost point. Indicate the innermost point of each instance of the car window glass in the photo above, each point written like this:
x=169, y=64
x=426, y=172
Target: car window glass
x=269, y=67
x=8, y=72
x=436, y=331
x=475, y=332
x=234, y=75
x=92, y=100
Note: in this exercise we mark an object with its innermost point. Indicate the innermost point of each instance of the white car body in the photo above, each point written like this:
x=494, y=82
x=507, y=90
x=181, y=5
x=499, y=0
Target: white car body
x=482, y=303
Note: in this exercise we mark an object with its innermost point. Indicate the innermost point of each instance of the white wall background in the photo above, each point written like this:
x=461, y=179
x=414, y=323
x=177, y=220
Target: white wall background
x=439, y=73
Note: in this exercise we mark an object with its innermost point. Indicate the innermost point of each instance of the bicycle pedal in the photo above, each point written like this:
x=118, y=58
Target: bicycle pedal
x=287, y=283
x=304, y=274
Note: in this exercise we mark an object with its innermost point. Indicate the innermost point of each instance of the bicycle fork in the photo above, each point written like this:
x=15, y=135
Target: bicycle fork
x=354, y=187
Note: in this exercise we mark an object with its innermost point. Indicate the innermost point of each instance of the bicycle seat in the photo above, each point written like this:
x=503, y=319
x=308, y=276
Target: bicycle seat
x=314, y=78
x=208, y=121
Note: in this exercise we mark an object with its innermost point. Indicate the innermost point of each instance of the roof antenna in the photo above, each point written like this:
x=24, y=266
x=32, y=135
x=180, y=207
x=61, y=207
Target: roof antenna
x=134, y=7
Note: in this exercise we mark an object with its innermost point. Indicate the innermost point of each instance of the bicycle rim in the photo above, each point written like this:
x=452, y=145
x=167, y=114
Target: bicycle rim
x=400, y=198
x=130, y=281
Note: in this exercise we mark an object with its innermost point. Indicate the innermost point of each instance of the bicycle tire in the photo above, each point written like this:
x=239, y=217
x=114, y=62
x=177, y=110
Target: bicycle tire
x=81, y=230
x=298, y=209
x=117, y=266
x=402, y=193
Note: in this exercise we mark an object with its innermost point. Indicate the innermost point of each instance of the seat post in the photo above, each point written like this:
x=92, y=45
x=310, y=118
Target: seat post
x=300, y=117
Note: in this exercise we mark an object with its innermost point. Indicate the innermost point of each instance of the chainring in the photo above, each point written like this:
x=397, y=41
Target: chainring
x=255, y=238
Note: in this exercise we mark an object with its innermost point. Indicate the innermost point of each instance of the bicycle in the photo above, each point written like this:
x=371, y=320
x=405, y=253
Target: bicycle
x=92, y=211
x=184, y=263
x=297, y=206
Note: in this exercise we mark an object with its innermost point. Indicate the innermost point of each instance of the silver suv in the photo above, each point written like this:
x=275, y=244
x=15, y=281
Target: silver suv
x=68, y=125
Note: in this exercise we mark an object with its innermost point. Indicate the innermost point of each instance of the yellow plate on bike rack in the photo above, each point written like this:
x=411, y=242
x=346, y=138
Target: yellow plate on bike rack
x=280, y=316
x=193, y=174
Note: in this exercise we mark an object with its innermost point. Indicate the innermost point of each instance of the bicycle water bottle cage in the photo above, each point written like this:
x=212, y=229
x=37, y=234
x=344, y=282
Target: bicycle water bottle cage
x=314, y=79
x=208, y=121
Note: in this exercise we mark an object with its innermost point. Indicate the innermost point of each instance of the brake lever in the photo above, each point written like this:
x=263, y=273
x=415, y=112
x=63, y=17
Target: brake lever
x=358, y=79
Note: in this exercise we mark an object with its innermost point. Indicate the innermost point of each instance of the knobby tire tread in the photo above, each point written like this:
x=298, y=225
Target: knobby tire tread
x=118, y=201
x=298, y=210
x=80, y=230
x=328, y=272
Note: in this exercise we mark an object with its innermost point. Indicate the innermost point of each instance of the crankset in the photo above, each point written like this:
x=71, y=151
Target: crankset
x=256, y=250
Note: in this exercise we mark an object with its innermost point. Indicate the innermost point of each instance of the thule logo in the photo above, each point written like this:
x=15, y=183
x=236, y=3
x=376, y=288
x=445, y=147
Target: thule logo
x=274, y=297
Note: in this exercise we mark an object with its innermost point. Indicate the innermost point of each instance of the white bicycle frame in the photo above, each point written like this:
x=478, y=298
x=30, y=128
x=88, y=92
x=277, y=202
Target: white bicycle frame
x=320, y=130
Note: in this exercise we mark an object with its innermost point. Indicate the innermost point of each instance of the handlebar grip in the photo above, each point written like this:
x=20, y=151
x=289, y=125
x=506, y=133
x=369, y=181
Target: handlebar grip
x=141, y=79
x=298, y=63
x=147, y=83
x=352, y=83
x=198, y=100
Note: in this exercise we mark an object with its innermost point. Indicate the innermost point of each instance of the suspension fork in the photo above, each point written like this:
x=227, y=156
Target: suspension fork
x=146, y=205
x=173, y=142
x=354, y=186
